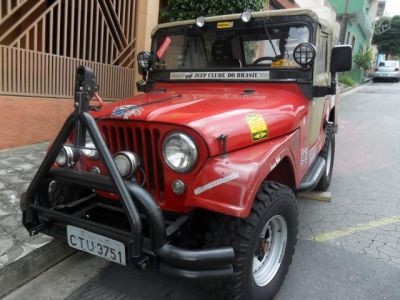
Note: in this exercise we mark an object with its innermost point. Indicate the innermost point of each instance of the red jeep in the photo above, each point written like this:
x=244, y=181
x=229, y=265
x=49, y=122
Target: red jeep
x=197, y=176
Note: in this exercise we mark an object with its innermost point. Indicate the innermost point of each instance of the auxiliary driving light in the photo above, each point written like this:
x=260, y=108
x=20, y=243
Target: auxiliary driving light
x=200, y=22
x=67, y=157
x=246, y=16
x=145, y=60
x=127, y=163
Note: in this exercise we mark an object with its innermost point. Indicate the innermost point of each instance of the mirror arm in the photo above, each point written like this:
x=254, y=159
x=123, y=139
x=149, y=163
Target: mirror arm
x=333, y=84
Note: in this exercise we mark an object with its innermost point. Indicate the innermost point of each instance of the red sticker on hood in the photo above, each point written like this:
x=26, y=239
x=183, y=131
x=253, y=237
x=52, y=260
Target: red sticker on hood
x=164, y=47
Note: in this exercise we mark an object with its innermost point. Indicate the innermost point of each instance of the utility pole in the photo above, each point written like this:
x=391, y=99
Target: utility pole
x=343, y=23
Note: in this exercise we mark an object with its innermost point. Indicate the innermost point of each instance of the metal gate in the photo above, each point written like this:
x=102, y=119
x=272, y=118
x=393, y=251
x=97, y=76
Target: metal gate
x=42, y=42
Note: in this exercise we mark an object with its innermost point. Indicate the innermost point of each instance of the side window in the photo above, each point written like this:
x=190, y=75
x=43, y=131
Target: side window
x=322, y=58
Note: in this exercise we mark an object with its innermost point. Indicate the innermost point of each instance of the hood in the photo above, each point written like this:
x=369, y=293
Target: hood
x=246, y=113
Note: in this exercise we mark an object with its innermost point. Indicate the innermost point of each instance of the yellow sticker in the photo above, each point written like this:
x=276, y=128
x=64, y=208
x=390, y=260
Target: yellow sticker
x=224, y=25
x=258, y=127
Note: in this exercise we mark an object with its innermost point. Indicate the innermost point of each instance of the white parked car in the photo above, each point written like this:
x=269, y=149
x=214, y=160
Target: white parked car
x=387, y=70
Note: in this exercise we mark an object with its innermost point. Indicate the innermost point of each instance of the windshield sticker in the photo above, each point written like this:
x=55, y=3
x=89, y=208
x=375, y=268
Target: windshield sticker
x=213, y=184
x=224, y=25
x=126, y=111
x=248, y=75
x=164, y=47
x=258, y=127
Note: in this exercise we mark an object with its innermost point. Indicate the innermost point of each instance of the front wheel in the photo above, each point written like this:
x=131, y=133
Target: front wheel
x=264, y=244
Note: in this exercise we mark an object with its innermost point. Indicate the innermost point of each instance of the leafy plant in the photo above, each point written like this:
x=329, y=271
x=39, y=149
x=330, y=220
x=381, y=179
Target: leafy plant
x=363, y=60
x=346, y=80
x=177, y=10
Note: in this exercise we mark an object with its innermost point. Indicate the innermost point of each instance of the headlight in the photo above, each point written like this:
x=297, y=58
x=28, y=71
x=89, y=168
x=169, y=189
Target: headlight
x=67, y=157
x=127, y=163
x=90, y=151
x=180, y=152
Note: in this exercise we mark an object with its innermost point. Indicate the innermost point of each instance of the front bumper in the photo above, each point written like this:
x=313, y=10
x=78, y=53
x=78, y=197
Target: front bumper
x=146, y=236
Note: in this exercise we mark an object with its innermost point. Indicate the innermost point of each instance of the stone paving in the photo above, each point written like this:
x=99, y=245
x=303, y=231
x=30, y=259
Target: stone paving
x=17, y=167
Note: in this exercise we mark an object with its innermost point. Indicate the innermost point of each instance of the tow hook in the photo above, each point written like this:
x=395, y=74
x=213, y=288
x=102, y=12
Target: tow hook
x=144, y=264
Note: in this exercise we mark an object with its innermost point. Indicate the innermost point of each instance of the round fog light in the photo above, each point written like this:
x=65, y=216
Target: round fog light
x=178, y=187
x=66, y=157
x=127, y=163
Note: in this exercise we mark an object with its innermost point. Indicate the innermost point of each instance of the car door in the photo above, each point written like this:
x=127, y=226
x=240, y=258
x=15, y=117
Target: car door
x=322, y=78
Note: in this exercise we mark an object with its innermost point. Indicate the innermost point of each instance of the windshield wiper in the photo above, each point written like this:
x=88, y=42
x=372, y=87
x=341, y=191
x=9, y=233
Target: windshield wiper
x=269, y=38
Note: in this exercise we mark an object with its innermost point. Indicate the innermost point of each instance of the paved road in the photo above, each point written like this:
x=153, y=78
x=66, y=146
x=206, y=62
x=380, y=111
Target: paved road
x=348, y=249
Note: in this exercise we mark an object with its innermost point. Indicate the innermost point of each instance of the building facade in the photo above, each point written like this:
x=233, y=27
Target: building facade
x=42, y=42
x=357, y=18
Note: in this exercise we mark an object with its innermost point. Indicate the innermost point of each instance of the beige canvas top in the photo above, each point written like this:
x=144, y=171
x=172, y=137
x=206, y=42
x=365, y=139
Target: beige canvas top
x=322, y=15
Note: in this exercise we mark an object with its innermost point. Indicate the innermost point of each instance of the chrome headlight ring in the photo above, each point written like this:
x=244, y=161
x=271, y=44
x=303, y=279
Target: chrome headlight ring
x=180, y=152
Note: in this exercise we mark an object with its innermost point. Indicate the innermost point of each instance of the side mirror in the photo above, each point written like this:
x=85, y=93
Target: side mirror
x=145, y=62
x=341, y=59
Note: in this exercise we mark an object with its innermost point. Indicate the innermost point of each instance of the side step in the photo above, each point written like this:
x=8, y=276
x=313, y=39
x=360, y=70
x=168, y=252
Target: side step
x=311, y=179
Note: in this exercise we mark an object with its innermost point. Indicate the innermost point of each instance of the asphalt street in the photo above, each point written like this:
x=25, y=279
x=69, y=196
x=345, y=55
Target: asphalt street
x=348, y=248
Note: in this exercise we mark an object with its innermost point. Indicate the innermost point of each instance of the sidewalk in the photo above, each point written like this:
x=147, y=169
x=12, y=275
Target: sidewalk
x=21, y=256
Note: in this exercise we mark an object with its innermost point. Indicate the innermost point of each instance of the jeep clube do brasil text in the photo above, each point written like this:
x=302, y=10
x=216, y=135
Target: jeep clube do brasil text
x=197, y=176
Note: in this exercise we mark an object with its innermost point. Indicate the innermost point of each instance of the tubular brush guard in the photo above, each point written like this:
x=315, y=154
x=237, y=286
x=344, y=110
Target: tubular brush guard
x=37, y=216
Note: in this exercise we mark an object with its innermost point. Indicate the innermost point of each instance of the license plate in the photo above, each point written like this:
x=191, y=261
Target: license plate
x=96, y=244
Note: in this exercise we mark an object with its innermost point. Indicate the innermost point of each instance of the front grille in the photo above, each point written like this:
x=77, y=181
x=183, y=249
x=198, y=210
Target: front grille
x=143, y=141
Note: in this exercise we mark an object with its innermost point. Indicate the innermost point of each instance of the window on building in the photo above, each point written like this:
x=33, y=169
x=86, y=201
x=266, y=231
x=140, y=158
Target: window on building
x=353, y=42
x=348, y=38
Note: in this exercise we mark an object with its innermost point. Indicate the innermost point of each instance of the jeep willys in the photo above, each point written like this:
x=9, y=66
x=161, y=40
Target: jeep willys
x=197, y=176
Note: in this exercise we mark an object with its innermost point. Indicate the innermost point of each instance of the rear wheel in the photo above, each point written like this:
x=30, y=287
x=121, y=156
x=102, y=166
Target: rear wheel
x=264, y=244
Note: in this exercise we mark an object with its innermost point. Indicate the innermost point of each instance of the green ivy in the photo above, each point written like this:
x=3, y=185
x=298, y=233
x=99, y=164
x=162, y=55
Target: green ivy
x=178, y=10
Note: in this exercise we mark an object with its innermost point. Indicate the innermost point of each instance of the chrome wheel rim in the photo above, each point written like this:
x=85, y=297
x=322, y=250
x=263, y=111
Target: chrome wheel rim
x=270, y=249
x=329, y=160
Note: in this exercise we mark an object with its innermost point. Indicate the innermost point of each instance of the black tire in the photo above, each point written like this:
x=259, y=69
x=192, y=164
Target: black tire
x=375, y=80
x=325, y=180
x=61, y=193
x=272, y=199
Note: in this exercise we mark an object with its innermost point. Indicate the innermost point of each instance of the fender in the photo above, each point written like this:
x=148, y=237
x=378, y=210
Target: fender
x=229, y=184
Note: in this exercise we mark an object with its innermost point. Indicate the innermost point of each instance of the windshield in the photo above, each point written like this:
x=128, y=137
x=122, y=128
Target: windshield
x=244, y=48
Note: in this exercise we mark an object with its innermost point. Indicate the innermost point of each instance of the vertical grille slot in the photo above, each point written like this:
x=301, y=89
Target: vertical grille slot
x=145, y=143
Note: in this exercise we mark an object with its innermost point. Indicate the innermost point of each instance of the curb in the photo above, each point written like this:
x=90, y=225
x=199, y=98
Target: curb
x=26, y=267
x=350, y=90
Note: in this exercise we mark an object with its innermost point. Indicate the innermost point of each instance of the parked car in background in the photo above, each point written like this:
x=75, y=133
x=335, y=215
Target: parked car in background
x=387, y=70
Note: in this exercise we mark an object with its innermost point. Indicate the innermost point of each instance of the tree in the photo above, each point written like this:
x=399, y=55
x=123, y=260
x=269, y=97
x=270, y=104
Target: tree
x=178, y=10
x=388, y=42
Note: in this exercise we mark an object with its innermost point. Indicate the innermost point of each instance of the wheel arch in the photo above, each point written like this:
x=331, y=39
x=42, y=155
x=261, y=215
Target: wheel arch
x=242, y=173
x=283, y=173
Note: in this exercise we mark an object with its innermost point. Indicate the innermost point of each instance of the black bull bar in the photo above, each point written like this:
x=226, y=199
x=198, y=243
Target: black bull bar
x=136, y=203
